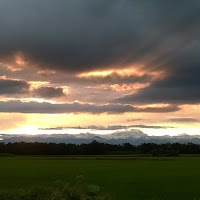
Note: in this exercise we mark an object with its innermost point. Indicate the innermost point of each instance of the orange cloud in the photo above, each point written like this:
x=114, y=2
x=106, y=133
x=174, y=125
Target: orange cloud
x=124, y=71
x=19, y=59
x=129, y=87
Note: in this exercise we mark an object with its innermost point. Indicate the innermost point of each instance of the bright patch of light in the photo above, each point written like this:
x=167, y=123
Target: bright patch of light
x=35, y=84
x=96, y=73
x=19, y=59
x=131, y=70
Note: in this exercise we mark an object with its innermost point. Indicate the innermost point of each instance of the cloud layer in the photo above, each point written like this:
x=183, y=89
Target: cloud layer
x=80, y=36
x=35, y=107
x=113, y=57
x=13, y=87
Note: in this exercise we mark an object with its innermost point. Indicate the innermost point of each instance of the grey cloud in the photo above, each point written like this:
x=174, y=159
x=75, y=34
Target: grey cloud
x=170, y=108
x=83, y=35
x=150, y=126
x=35, y=107
x=93, y=127
x=184, y=120
x=48, y=92
x=13, y=87
x=114, y=78
x=119, y=127
x=21, y=88
x=56, y=128
x=163, y=95
x=182, y=88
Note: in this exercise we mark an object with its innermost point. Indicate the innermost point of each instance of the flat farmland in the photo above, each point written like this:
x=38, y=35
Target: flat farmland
x=123, y=177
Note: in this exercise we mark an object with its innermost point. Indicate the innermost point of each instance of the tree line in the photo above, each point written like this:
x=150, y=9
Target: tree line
x=96, y=148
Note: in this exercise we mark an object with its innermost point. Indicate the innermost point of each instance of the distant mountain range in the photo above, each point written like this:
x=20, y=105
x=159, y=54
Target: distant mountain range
x=133, y=136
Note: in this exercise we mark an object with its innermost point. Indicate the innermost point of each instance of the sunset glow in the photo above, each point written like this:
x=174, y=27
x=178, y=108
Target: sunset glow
x=89, y=68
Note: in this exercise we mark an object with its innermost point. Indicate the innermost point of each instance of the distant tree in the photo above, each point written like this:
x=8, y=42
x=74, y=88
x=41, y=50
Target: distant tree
x=97, y=148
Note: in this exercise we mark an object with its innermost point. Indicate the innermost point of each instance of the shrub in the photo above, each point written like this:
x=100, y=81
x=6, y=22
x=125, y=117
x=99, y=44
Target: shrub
x=78, y=190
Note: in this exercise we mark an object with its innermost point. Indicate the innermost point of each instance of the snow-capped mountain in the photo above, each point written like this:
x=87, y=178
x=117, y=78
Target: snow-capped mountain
x=133, y=136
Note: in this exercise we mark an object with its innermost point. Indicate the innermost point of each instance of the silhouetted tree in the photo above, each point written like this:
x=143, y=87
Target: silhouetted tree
x=97, y=148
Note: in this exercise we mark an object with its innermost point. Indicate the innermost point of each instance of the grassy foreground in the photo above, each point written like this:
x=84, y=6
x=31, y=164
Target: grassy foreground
x=77, y=190
x=124, y=178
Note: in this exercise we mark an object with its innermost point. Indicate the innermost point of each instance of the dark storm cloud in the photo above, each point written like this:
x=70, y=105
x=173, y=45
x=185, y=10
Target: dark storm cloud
x=153, y=95
x=61, y=78
x=13, y=87
x=21, y=88
x=78, y=36
x=83, y=35
x=48, y=92
x=184, y=120
x=35, y=107
x=181, y=88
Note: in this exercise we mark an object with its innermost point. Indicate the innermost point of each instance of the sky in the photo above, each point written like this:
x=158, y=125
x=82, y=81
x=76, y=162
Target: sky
x=79, y=66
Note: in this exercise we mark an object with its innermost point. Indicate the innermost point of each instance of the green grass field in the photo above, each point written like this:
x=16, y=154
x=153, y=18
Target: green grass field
x=125, y=178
